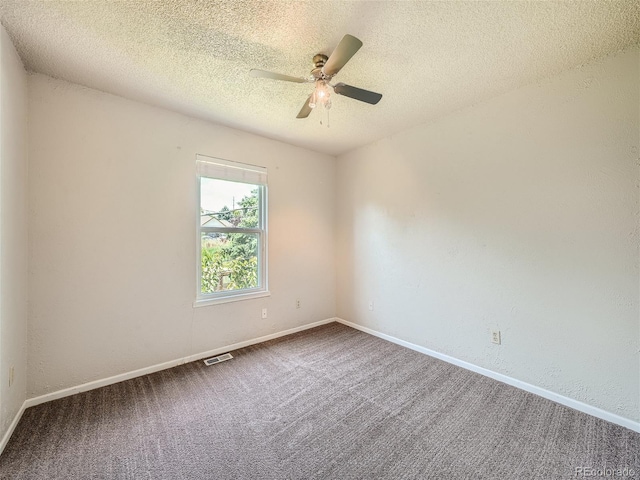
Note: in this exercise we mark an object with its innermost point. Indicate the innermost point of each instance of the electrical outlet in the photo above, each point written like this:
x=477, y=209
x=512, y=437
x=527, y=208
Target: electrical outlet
x=371, y=305
x=298, y=303
x=264, y=313
x=11, y=375
x=495, y=337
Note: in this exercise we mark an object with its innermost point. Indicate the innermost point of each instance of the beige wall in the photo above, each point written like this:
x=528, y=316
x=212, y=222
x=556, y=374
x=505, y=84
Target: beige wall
x=519, y=213
x=13, y=232
x=113, y=239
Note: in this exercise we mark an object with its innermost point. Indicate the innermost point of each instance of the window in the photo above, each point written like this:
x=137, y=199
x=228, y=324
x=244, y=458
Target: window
x=232, y=235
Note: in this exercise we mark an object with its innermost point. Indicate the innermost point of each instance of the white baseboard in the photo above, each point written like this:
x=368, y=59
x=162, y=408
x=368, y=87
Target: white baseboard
x=12, y=427
x=566, y=401
x=163, y=366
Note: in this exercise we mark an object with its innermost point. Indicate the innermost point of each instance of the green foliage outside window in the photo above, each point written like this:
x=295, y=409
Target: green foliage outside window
x=230, y=260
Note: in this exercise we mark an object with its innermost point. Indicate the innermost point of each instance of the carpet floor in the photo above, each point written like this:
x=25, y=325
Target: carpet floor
x=326, y=403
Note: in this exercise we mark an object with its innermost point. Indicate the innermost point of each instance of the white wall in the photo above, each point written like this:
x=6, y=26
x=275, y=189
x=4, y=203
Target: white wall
x=13, y=231
x=112, y=236
x=520, y=213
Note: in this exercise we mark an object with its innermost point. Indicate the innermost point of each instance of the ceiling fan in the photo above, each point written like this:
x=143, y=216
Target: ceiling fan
x=322, y=74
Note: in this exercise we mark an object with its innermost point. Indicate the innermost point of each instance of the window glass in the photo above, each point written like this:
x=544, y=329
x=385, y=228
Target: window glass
x=232, y=238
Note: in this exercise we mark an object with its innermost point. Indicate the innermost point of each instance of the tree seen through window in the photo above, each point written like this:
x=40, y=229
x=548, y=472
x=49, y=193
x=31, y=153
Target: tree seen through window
x=230, y=258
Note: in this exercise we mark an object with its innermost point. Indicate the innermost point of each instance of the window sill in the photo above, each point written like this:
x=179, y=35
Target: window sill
x=205, y=302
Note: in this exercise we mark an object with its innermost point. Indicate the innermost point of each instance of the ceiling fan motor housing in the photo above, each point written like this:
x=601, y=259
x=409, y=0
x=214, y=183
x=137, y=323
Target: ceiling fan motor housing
x=319, y=60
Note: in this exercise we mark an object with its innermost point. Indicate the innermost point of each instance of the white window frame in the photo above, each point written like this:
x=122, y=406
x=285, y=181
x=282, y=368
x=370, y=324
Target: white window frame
x=220, y=169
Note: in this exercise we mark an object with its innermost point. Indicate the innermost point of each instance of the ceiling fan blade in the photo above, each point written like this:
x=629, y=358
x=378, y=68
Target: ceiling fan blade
x=346, y=49
x=305, y=110
x=276, y=76
x=357, y=93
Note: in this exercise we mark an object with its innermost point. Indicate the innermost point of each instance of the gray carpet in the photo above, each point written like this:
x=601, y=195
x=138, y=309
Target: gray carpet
x=327, y=403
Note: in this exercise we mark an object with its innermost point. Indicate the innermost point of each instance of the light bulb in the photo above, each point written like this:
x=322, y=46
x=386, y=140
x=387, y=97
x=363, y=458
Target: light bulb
x=312, y=100
x=321, y=92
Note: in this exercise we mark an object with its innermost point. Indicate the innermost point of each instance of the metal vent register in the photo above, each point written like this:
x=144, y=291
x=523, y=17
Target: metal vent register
x=218, y=359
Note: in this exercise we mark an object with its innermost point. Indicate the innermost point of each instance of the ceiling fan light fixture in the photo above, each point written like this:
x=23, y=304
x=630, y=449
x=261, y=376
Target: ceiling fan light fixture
x=322, y=93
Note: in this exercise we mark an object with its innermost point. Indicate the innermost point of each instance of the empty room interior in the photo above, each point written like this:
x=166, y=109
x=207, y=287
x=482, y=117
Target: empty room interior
x=404, y=234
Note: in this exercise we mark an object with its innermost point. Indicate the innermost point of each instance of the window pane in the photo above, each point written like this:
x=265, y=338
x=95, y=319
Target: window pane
x=229, y=261
x=228, y=204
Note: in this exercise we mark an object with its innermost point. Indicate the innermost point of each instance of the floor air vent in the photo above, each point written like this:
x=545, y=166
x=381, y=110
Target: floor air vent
x=218, y=359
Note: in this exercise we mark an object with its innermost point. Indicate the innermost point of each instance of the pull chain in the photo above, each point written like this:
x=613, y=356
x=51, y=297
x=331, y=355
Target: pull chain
x=326, y=109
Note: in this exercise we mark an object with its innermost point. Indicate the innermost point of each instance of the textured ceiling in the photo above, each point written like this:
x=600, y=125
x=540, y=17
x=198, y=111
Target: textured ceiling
x=426, y=58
